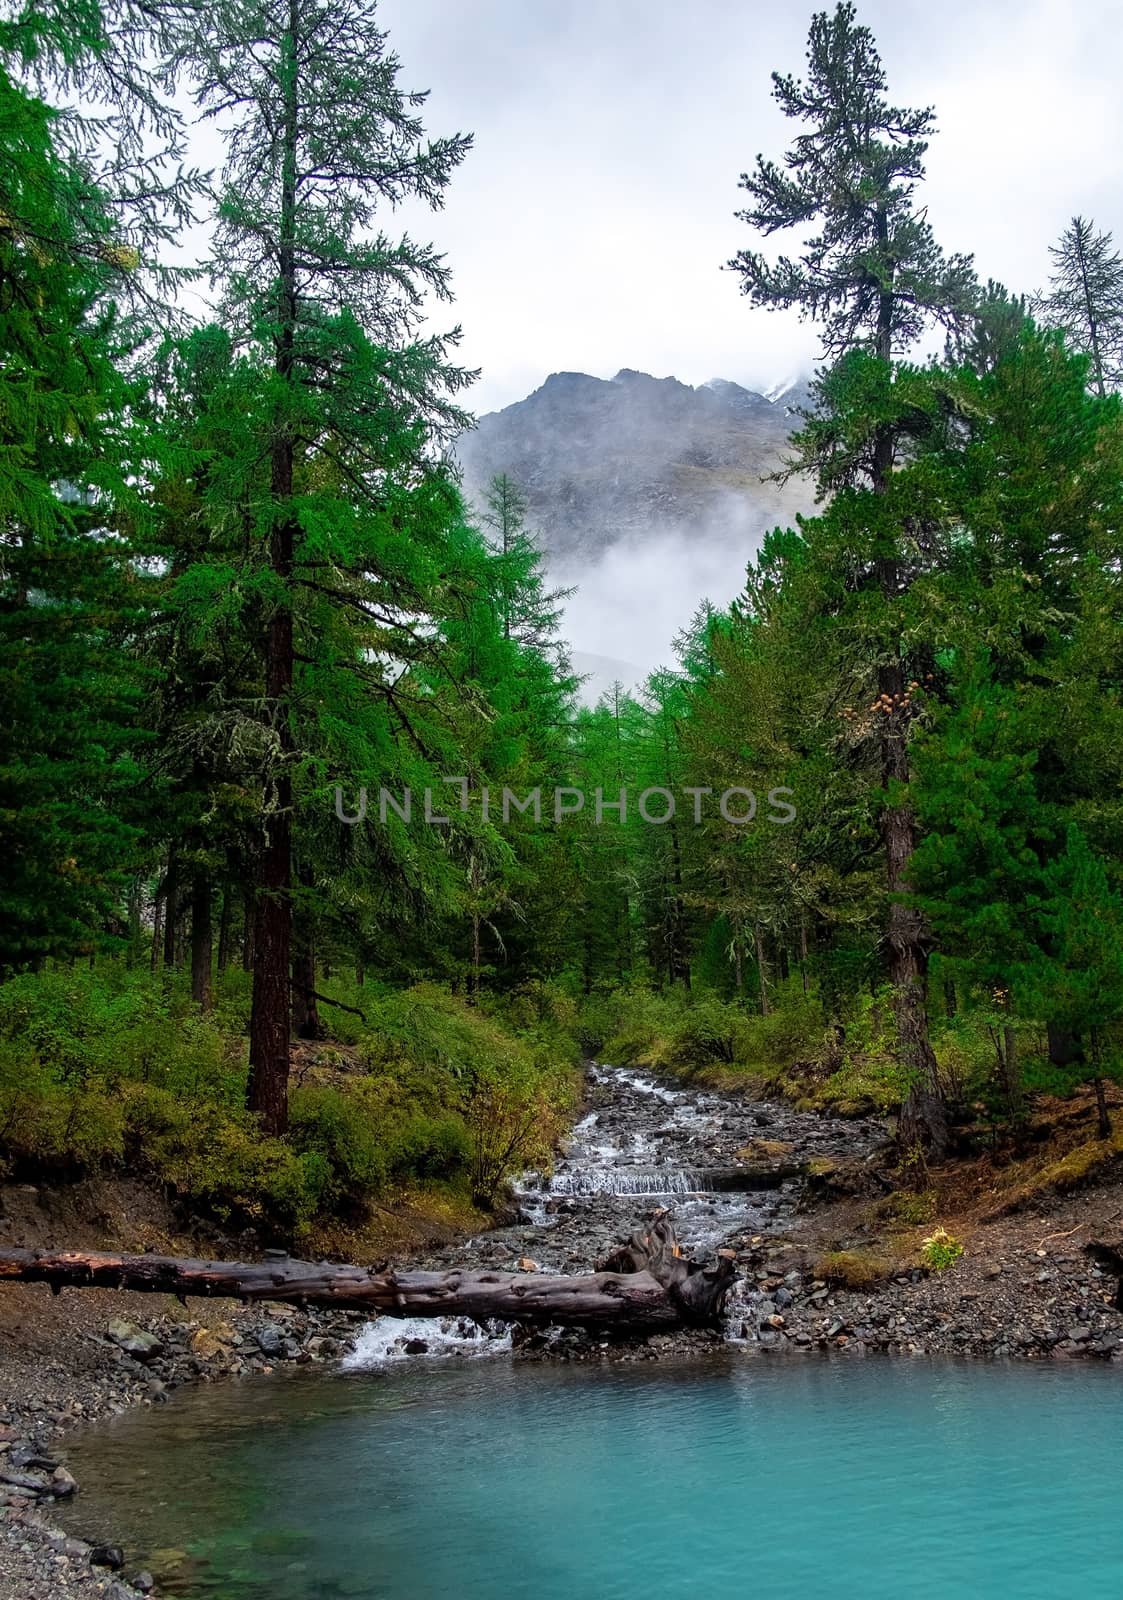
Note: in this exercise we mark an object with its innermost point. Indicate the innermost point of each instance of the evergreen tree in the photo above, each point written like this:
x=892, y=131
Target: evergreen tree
x=320, y=137
x=66, y=691
x=529, y=613
x=1085, y=298
x=1077, y=977
x=980, y=862
x=873, y=277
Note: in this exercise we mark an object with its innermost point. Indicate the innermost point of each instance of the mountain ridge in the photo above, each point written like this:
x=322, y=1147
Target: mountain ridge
x=606, y=461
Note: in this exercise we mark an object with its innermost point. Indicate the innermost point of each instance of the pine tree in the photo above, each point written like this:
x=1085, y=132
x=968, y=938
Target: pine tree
x=987, y=835
x=873, y=278
x=66, y=691
x=320, y=137
x=1077, y=978
x=1085, y=298
x=529, y=612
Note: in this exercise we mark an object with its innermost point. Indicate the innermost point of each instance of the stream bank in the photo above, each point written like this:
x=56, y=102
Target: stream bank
x=778, y=1186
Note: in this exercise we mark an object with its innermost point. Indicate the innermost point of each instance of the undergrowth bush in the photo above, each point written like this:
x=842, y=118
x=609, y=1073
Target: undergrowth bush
x=109, y=1069
x=675, y=1032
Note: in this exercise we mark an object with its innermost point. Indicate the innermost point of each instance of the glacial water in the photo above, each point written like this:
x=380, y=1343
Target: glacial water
x=790, y=1478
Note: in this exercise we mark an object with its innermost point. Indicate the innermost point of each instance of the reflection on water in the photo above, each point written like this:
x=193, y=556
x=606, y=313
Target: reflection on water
x=790, y=1479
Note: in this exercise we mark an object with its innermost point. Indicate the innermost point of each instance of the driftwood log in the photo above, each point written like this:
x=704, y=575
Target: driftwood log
x=648, y=1284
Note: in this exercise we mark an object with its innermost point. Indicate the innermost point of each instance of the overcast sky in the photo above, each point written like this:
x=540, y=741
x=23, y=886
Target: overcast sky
x=587, y=228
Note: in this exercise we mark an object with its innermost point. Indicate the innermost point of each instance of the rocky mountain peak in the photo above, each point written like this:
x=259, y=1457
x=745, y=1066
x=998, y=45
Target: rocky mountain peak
x=630, y=458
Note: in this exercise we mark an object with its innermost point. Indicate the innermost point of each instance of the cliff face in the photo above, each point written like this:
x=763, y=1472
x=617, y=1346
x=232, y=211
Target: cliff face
x=633, y=458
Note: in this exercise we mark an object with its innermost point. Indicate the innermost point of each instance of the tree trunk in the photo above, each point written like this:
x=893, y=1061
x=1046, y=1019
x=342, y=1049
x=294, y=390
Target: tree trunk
x=923, y=1119
x=1012, y=1070
x=201, y=941
x=171, y=908
x=1101, y=1099
x=133, y=946
x=762, y=970
x=157, y=932
x=225, y=931
x=306, y=1022
x=647, y=1284
x=474, y=970
x=248, y=920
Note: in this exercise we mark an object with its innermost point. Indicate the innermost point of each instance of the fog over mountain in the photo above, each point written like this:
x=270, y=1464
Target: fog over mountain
x=646, y=493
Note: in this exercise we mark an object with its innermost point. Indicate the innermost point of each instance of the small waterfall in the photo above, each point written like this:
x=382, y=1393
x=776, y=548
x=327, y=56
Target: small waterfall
x=632, y=1181
x=743, y=1312
x=642, y=1181
x=391, y=1339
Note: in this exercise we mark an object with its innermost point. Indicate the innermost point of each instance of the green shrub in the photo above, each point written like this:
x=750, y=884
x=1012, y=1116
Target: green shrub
x=107, y=1068
x=940, y=1250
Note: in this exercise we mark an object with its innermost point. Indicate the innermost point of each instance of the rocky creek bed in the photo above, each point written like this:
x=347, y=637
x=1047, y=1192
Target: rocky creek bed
x=752, y=1177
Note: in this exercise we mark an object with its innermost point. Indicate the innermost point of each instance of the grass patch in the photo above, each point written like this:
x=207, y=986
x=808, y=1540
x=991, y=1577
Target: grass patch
x=851, y=1269
x=910, y=1208
x=761, y=1150
x=1083, y=1164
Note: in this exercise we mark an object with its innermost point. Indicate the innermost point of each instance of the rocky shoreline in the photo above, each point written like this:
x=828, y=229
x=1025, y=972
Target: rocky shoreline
x=1024, y=1289
x=99, y=1366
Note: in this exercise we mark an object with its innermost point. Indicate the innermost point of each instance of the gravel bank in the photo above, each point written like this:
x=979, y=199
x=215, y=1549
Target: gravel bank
x=87, y=1354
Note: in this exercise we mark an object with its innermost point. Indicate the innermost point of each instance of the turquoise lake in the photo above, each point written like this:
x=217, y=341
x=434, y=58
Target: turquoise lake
x=885, y=1480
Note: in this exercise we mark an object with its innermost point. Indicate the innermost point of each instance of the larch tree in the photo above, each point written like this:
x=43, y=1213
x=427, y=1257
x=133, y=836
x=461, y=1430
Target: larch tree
x=75, y=293
x=1085, y=298
x=320, y=139
x=874, y=278
x=529, y=612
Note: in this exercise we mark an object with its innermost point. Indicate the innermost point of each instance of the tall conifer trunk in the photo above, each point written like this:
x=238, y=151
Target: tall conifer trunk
x=201, y=941
x=171, y=907
x=873, y=277
x=225, y=931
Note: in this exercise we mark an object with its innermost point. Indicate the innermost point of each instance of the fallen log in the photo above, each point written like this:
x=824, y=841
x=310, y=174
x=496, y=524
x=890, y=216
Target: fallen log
x=650, y=1284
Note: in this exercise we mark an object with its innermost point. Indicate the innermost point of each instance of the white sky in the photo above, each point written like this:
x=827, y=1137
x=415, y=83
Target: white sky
x=587, y=227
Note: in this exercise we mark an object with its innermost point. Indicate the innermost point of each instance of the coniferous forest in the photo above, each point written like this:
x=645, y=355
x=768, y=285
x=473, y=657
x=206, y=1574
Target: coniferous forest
x=373, y=988
x=247, y=610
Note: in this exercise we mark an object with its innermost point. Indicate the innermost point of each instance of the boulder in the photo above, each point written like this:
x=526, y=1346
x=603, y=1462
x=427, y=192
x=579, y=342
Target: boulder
x=134, y=1341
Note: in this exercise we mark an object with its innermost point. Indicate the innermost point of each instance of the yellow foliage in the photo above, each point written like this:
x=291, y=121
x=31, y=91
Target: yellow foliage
x=125, y=256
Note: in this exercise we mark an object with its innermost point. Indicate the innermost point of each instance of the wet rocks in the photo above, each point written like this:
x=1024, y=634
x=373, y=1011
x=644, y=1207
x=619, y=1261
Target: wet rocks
x=135, y=1341
x=970, y=1310
x=105, y=1367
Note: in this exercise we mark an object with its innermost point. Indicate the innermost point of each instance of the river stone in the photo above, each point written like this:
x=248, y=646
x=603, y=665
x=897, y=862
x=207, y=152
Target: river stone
x=135, y=1341
x=107, y=1555
x=270, y=1341
x=205, y=1344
